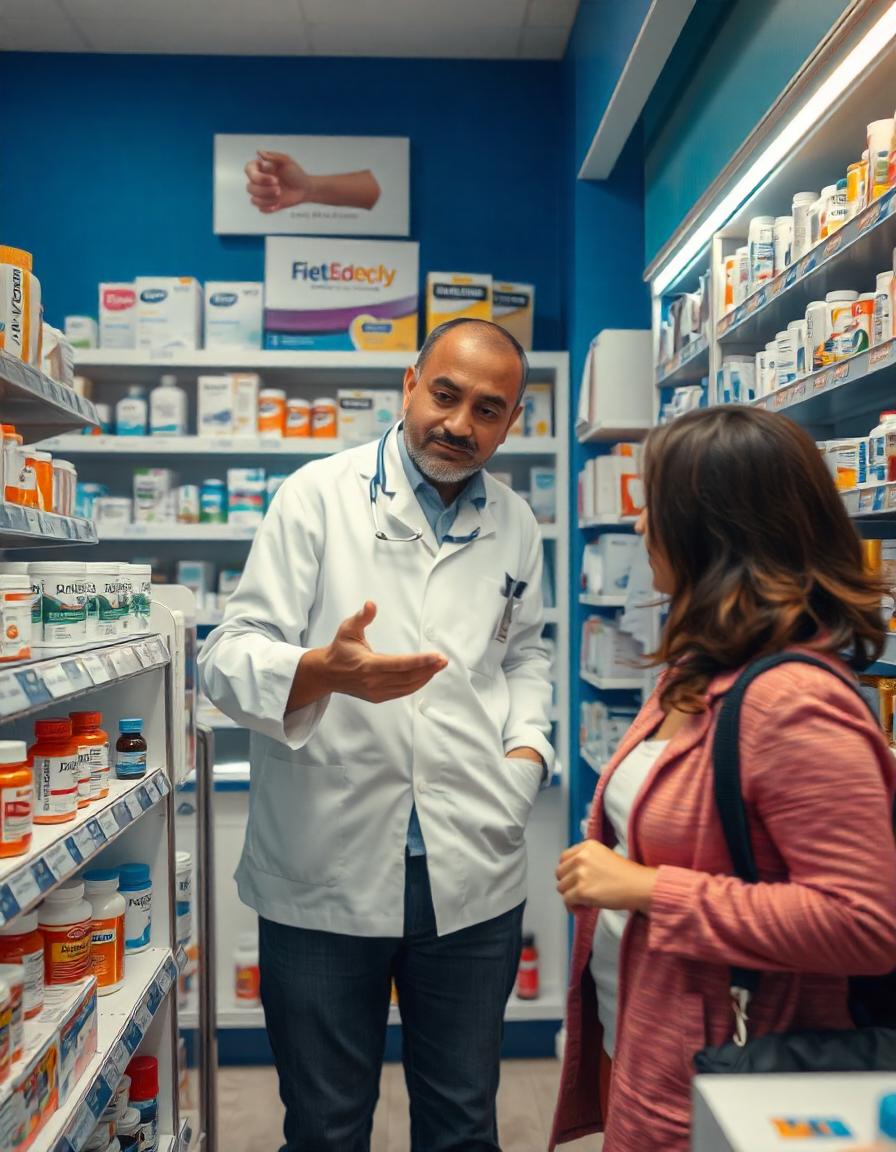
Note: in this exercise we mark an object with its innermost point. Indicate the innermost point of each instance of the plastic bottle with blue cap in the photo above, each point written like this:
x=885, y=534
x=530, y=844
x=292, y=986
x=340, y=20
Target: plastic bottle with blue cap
x=886, y=1123
x=135, y=885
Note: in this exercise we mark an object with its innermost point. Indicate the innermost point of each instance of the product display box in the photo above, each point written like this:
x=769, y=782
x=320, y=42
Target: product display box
x=227, y=404
x=59, y=1046
x=233, y=314
x=365, y=414
x=169, y=313
x=341, y=295
x=455, y=295
x=513, y=307
x=118, y=315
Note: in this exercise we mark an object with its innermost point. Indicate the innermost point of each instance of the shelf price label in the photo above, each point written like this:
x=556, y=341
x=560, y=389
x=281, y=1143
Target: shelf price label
x=60, y=860
x=124, y=661
x=144, y=800
x=109, y=824
x=81, y=1130
x=122, y=813
x=116, y=1062
x=33, y=686
x=95, y=668
x=77, y=674
x=56, y=681
x=879, y=355
x=134, y=1034
x=9, y=906
x=12, y=696
x=24, y=887
x=135, y=808
x=76, y=853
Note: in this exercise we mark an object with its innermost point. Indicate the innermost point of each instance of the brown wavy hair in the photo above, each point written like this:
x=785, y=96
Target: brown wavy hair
x=761, y=550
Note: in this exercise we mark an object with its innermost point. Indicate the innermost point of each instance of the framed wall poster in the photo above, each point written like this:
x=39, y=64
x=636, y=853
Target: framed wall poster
x=312, y=185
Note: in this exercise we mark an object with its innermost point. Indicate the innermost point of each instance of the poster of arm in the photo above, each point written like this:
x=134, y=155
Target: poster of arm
x=312, y=185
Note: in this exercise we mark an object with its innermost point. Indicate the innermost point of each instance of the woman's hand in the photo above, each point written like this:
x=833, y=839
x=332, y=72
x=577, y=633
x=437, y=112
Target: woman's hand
x=593, y=876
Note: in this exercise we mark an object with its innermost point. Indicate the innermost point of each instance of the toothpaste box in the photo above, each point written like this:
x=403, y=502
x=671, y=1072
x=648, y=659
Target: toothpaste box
x=169, y=313
x=340, y=295
x=118, y=315
x=457, y=295
x=365, y=414
x=513, y=307
x=233, y=313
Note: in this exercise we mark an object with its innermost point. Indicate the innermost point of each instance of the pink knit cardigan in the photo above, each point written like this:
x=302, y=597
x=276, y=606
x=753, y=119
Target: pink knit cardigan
x=818, y=779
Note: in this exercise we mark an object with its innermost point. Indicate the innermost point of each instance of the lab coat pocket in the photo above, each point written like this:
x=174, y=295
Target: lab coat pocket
x=298, y=820
x=483, y=652
x=522, y=780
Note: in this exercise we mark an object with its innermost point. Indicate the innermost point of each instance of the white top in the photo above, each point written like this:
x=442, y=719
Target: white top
x=619, y=798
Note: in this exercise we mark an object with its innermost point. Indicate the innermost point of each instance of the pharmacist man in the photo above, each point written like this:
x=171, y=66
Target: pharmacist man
x=391, y=787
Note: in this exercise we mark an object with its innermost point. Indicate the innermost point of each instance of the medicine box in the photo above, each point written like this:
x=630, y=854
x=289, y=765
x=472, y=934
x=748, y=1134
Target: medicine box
x=457, y=295
x=233, y=313
x=366, y=414
x=215, y=405
x=341, y=295
x=81, y=331
x=199, y=577
x=538, y=405
x=245, y=403
x=543, y=494
x=246, y=490
x=152, y=495
x=118, y=315
x=513, y=307
x=169, y=313
x=607, y=563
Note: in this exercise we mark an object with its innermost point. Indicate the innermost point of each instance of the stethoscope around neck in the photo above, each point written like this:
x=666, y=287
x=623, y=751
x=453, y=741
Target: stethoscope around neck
x=378, y=481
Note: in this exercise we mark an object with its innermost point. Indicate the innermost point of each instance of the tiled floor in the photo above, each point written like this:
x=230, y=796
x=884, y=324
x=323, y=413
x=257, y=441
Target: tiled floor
x=251, y=1114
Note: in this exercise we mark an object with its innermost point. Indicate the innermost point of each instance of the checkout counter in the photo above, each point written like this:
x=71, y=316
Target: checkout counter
x=783, y=1113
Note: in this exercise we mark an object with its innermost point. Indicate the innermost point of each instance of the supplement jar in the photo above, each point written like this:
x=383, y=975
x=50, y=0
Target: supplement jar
x=56, y=770
x=135, y=884
x=16, y=798
x=21, y=943
x=65, y=921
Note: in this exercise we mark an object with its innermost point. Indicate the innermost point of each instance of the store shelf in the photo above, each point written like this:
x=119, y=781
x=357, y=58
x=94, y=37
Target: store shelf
x=688, y=366
x=851, y=258
x=612, y=684
x=862, y=384
x=58, y=850
x=603, y=601
x=28, y=528
x=549, y=1006
x=593, y=762
x=122, y=1022
x=31, y=686
x=611, y=433
x=37, y=405
x=293, y=447
x=173, y=533
x=366, y=369
x=608, y=522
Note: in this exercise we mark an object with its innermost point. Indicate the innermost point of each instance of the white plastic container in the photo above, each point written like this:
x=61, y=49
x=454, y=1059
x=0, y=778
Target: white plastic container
x=109, y=591
x=246, y=983
x=760, y=373
x=881, y=446
x=126, y=594
x=837, y=208
x=65, y=482
x=785, y=359
x=783, y=242
x=839, y=343
x=107, y=939
x=141, y=597
x=63, y=599
x=761, y=245
x=15, y=617
x=65, y=921
x=802, y=204
x=184, y=896
x=818, y=329
x=113, y=513
x=880, y=137
x=798, y=331
x=741, y=275
x=131, y=413
x=882, y=328
x=168, y=409
x=771, y=366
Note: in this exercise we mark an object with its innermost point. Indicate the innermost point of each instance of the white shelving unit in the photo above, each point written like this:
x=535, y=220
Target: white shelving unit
x=310, y=375
x=589, y=601
x=130, y=677
x=613, y=683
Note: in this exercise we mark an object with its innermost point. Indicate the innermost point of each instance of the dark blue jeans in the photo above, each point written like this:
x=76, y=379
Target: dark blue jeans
x=326, y=1003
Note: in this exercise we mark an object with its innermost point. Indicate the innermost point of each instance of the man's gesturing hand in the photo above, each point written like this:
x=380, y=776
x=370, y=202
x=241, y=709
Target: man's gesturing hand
x=350, y=666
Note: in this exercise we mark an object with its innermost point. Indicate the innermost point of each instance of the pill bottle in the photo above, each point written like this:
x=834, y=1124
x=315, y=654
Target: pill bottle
x=63, y=602
x=42, y=464
x=130, y=750
x=56, y=766
x=20, y=483
x=20, y=311
x=324, y=418
x=15, y=617
x=761, y=244
x=107, y=938
x=298, y=417
x=184, y=896
x=5, y=1030
x=271, y=413
x=65, y=921
x=21, y=943
x=128, y=1130
x=16, y=798
x=144, y=1074
x=882, y=328
x=135, y=884
x=93, y=742
x=13, y=977
x=247, y=976
x=65, y=480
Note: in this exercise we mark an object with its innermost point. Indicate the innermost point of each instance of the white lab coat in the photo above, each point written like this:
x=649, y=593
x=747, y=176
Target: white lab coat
x=332, y=785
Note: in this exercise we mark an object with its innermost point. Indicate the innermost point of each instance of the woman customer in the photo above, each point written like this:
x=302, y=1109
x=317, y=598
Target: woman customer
x=749, y=540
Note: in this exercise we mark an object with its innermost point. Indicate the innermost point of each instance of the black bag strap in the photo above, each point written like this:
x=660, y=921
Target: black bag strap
x=727, y=776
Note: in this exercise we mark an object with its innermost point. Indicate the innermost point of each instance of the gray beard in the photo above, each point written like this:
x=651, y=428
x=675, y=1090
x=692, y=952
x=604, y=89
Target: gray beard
x=438, y=471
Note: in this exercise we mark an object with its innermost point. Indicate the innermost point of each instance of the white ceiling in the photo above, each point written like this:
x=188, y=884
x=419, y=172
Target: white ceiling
x=480, y=29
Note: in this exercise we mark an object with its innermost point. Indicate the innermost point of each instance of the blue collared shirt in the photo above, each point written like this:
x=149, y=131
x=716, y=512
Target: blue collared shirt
x=441, y=521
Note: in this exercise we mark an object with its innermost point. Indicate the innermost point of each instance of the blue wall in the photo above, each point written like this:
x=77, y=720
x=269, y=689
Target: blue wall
x=757, y=47
x=118, y=152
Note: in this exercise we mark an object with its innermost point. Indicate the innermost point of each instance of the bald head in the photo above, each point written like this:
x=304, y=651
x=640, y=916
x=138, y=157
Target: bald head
x=493, y=337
